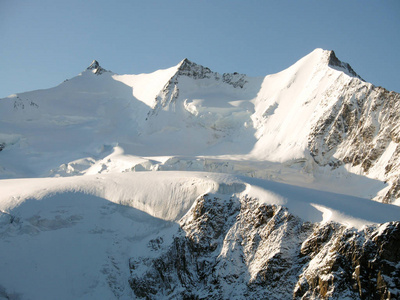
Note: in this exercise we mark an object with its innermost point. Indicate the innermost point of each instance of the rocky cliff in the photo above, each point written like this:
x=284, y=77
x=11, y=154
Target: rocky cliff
x=361, y=130
x=241, y=249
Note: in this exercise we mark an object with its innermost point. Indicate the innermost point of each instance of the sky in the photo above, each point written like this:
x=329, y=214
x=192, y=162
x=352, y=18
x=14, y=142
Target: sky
x=44, y=42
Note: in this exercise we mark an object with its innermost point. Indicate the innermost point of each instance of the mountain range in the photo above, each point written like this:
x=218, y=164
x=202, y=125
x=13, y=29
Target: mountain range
x=186, y=183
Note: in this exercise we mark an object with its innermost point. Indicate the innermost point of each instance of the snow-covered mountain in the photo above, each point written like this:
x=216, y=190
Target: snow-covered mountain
x=269, y=179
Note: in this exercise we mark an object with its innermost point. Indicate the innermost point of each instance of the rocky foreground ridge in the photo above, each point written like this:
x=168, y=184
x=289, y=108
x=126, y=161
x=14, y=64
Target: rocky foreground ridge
x=241, y=249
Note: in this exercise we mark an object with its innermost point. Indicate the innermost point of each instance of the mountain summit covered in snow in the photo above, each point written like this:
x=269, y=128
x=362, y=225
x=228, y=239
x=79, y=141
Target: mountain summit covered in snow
x=186, y=182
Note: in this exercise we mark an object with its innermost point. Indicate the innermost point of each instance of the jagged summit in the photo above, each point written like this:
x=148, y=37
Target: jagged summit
x=196, y=71
x=325, y=59
x=335, y=63
x=184, y=62
x=96, y=68
x=94, y=65
x=191, y=69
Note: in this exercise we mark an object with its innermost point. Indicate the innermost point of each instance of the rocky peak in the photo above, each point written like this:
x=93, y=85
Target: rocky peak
x=187, y=68
x=193, y=70
x=96, y=68
x=335, y=63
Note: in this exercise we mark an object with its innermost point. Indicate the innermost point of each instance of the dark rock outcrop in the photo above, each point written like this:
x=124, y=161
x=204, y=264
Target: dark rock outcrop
x=241, y=249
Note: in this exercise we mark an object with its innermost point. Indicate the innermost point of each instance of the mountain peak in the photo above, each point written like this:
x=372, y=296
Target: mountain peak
x=191, y=69
x=185, y=61
x=95, y=64
x=335, y=63
x=96, y=68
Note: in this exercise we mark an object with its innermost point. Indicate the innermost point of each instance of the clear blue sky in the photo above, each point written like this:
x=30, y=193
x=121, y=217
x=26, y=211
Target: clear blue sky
x=42, y=43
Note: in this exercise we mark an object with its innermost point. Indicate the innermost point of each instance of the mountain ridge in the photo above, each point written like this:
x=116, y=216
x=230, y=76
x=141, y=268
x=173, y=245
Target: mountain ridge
x=185, y=65
x=284, y=117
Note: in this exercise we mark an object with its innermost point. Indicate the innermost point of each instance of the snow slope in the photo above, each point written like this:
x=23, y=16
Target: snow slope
x=289, y=103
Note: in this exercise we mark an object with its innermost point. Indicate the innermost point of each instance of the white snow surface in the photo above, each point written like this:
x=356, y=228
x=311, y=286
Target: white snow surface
x=93, y=169
x=288, y=103
x=145, y=87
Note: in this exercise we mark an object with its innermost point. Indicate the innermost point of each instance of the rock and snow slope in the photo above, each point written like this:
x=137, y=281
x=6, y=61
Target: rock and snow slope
x=238, y=248
x=101, y=236
x=126, y=216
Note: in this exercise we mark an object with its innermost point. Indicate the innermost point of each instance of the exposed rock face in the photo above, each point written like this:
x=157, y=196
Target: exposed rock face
x=349, y=263
x=241, y=249
x=359, y=129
